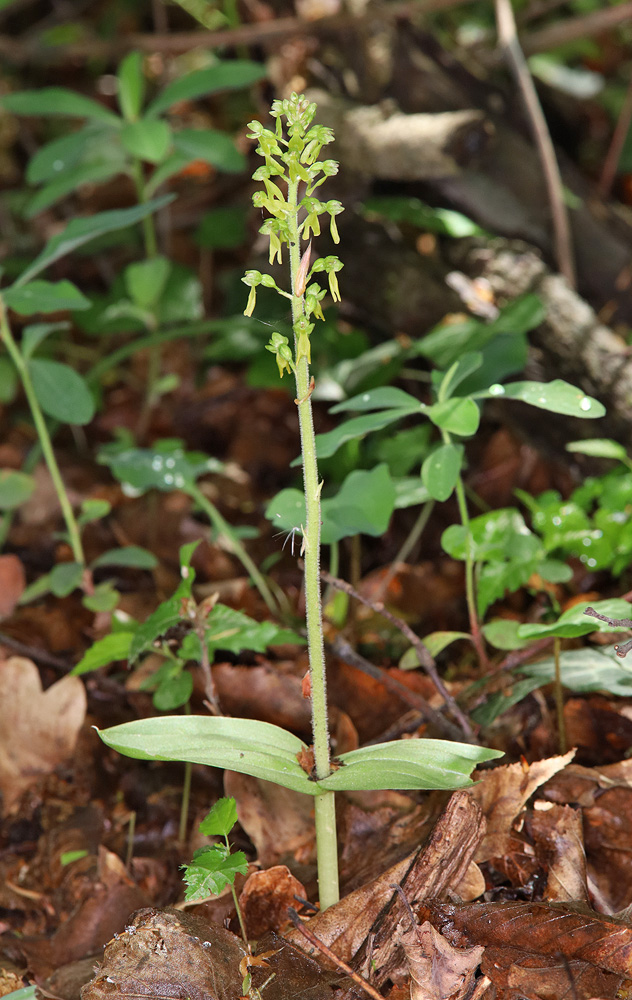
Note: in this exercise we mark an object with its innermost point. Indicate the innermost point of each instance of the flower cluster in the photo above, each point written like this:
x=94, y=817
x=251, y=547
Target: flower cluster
x=290, y=155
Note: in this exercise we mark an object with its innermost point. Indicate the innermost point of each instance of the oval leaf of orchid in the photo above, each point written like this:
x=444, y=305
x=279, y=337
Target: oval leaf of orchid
x=457, y=416
x=244, y=745
x=405, y=764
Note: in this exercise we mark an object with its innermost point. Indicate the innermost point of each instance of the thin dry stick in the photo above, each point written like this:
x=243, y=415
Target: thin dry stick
x=579, y=27
x=615, y=149
x=328, y=953
x=508, y=39
x=344, y=651
x=423, y=655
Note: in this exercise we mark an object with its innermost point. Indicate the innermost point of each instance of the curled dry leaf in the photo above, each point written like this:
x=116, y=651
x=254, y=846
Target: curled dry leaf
x=438, y=970
x=38, y=729
x=558, y=835
x=265, y=898
x=502, y=794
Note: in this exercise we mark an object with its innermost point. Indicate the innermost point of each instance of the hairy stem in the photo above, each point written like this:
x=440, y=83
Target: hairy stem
x=326, y=843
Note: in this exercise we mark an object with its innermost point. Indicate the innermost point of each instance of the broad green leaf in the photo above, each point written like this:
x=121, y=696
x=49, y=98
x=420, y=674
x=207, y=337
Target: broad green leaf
x=55, y=159
x=45, y=297
x=502, y=701
x=105, y=651
x=521, y=315
x=499, y=535
x=104, y=598
x=131, y=86
x=211, y=870
x=585, y=670
x=233, y=75
x=145, y=281
x=410, y=492
x=220, y=820
x=404, y=764
x=15, y=488
x=502, y=633
x=148, y=139
x=435, y=643
x=556, y=397
x=458, y=372
x=167, y=467
x=244, y=745
x=599, y=448
x=71, y=180
x=82, y=230
x=35, y=333
x=456, y=415
x=212, y=147
x=441, y=469
x=167, y=614
x=233, y=631
x=64, y=578
x=363, y=506
x=61, y=392
x=574, y=622
x=56, y=101
x=384, y=397
x=413, y=212
x=173, y=692
x=93, y=510
x=130, y=555
x=358, y=427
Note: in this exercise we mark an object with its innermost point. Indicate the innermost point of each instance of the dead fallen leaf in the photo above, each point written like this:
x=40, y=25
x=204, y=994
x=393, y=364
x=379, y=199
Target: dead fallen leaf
x=558, y=835
x=538, y=928
x=265, y=898
x=12, y=583
x=38, y=729
x=438, y=970
x=515, y=973
x=502, y=794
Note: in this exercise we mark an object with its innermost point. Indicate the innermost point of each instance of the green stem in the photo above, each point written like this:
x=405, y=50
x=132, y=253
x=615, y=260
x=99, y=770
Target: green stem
x=324, y=804
x=149, y=229
x=224, y=528
x=15, y=354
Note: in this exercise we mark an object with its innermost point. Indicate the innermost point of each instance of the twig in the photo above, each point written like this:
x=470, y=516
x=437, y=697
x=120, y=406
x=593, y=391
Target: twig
x=615, y=148
x=16, y=51
x=37, y=655
x=342, y=649
x=508, y=40
x=624, y=649
x=328, y=953
x=423, y=655
x=580, y=27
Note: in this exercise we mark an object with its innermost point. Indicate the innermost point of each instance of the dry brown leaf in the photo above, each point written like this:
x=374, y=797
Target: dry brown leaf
x=515, y=973
x=438, y=970
x=265, y=898
x=12, y=583
x=558, y=833
x=502, y=794
x=38, y=729
x=539, y=929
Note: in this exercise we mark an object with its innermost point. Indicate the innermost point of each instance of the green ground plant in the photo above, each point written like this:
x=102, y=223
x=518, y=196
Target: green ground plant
x=154, y=296
x=290, y=175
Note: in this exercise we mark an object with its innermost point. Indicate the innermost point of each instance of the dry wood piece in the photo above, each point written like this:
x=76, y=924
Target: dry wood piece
x=378, y=141
x=440, y=865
